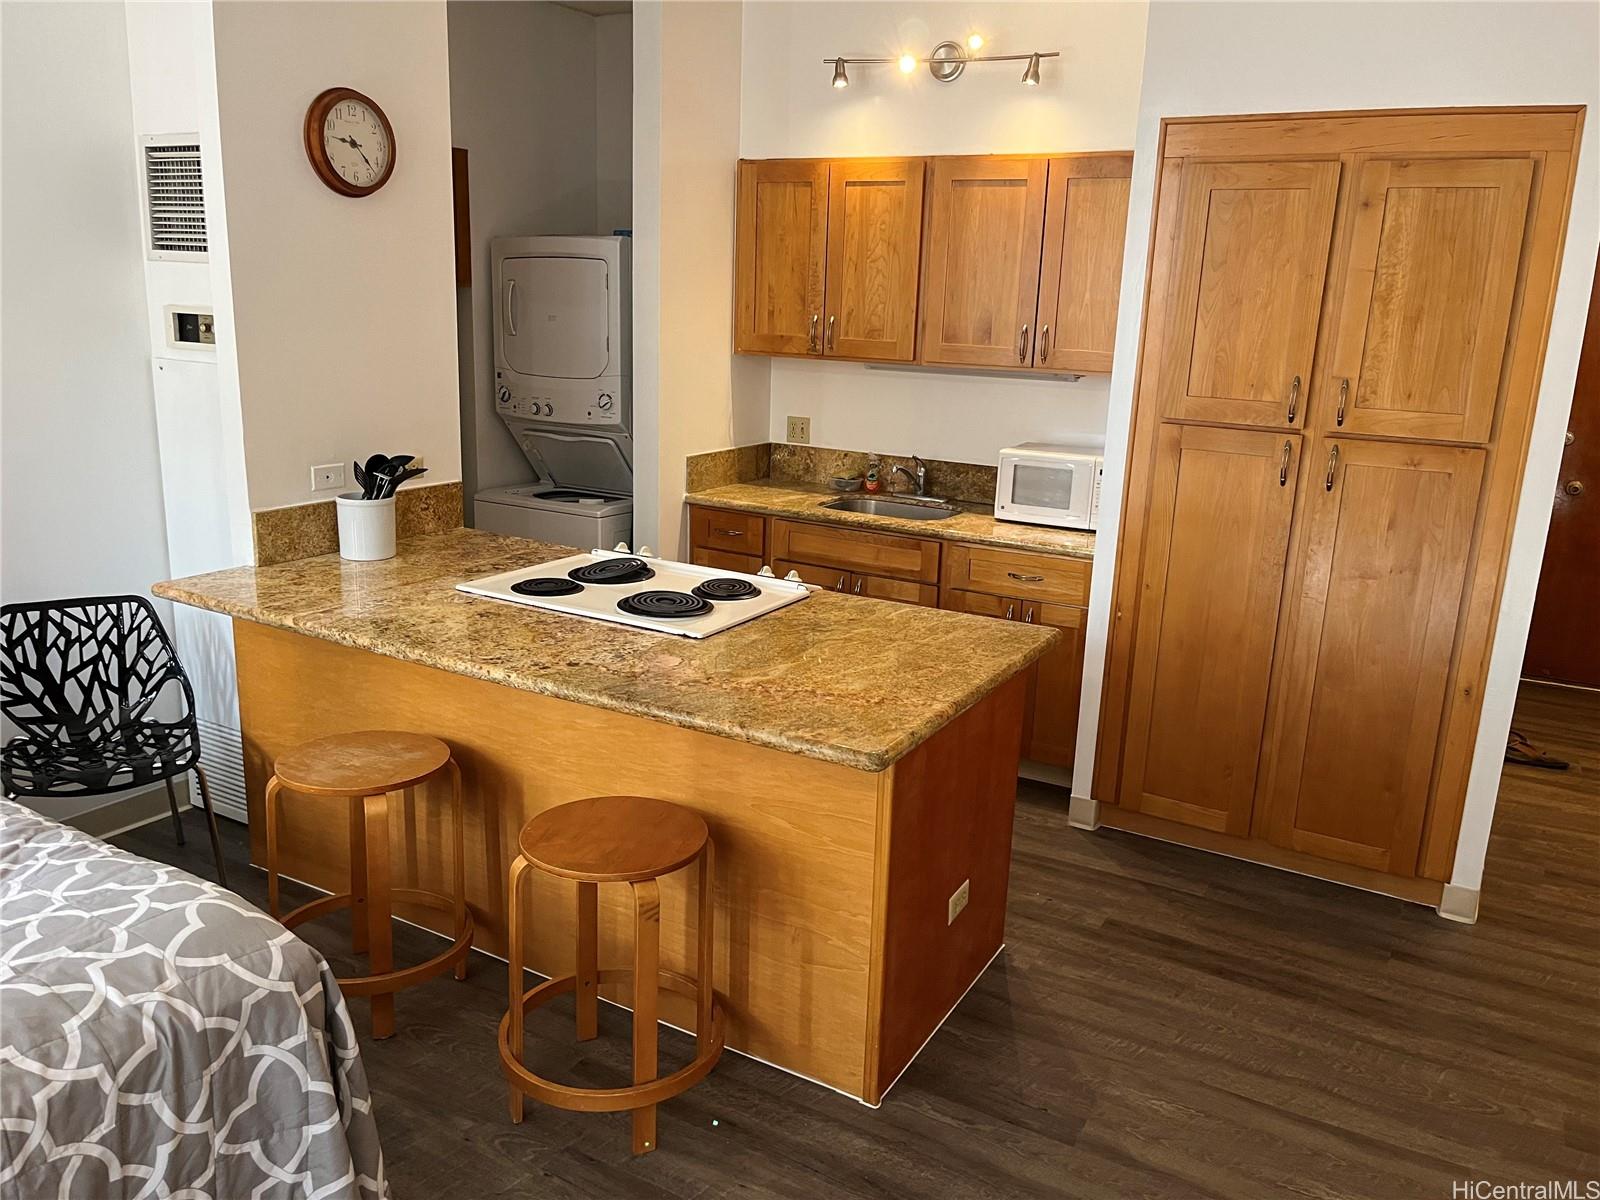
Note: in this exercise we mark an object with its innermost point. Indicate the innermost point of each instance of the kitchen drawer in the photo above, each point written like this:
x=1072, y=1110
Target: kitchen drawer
x=1003, y=572
x=723, y=561
x=720, y=529
x=883, y=554
x=903, y=590
x=832, y=578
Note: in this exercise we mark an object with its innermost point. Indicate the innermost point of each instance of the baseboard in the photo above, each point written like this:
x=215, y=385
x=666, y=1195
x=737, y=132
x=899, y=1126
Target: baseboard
x=1040, y=772
x=1084, y=813
x=1459, y=904
x=130, y=810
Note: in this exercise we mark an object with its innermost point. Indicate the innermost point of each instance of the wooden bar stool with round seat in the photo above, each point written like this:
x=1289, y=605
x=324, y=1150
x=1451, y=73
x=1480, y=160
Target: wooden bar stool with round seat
x=615, y=839
x=366, y=769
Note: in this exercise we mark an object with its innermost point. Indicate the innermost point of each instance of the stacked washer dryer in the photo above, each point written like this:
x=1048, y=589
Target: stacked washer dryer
x=562, y=367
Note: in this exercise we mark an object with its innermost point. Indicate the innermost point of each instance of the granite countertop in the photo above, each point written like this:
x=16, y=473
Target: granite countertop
x=974, y=523
x=845, y=679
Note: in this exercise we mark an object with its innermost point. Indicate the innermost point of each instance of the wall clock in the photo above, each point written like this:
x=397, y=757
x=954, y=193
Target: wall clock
x=349, y=141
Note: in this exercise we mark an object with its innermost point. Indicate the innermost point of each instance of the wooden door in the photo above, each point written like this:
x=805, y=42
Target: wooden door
x=1387, y=529
x=981, y=274
x=1218, y=531
x=1052, y=721
x=1426, y=304
x=874, y=250
x=1086, y=220
x=1562, y=644
x=781, y=251
x=1248, y=265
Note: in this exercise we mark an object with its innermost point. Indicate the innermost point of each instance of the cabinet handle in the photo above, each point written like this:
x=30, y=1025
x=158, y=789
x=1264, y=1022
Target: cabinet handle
x=1011, y=608
x=1025, y=578
x=1044, y=343
x=833, y=334
x=857, y=588
x=1333, y=461
x=1283, y=467
x=811, y=338
x=1344, y=395
x=1022, y=346
x=1294, y=398
x=1027, y=614
x=729, y=532
x=839, y=587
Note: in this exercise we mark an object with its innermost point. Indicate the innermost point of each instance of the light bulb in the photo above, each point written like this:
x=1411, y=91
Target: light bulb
x=908, y=64
x=840, y=79
x=975, y=42
x=1031, y=75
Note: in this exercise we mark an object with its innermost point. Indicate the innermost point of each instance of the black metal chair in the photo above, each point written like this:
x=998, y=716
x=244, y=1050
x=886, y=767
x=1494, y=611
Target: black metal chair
x=79, y=679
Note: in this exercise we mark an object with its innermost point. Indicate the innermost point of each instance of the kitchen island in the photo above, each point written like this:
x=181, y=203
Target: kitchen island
x=855, y=759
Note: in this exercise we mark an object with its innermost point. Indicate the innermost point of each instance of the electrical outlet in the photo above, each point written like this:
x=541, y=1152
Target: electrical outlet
x=800, y=430
x=958, y=901
x=328, y=475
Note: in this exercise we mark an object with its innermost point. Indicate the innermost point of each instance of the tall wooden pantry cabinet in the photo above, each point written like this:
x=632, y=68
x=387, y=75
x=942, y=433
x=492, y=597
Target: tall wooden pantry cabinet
x=1344, y=329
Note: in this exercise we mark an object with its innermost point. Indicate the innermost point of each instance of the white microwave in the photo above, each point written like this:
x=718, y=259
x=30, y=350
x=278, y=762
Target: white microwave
x=1044, y=484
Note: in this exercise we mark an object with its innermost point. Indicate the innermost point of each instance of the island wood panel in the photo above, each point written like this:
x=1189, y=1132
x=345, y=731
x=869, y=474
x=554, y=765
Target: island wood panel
x=1251, y=254
x=874, y=252
x=945, y=818
x=1213, y=574
x=1370, y=636
x=795, y=837
x=887, y=554
x=1420, y=337
x=1086, y=223
x=781, y=251
x=981, y=270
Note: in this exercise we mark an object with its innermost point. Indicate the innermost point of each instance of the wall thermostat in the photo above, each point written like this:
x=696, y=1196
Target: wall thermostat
x=191, y=328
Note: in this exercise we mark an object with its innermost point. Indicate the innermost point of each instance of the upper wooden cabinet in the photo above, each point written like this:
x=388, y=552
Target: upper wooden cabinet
x=1426, y=303
x=782, y=248
x=1018, y=267
x=1086, y=220
x=827, y=258
x=985, y=229
x=1248, y=263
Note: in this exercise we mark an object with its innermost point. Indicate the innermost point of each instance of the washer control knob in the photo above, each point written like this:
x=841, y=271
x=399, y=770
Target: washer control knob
x=606, y=403
x=549, y=410
x=503, y=394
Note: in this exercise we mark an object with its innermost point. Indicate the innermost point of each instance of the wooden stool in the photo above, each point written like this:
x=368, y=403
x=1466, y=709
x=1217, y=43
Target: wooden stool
x=615, y=839
x=366, y=769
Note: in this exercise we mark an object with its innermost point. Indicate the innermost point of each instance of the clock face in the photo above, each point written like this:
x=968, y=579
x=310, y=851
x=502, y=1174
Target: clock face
x=355, y=140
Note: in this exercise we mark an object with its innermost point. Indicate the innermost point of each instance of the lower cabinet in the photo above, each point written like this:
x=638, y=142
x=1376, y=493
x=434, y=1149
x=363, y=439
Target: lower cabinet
x=857, y=584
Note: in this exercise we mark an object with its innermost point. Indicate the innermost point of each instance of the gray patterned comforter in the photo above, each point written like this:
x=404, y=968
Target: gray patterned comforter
x=160, y=1038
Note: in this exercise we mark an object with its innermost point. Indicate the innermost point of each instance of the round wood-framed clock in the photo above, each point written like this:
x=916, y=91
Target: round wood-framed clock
x=349, y=141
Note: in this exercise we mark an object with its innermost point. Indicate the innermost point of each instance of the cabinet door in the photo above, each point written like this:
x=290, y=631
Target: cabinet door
x=723, y=560
x=831, y=578
x=903, y=590
x=1249, y=262
x=1086, y=221
x=874, y=249
x=1052, y=721
x=781, y=248
x=1421, y=334
x=1387, y=532
x=981, y=288
x=981, y=604
x=1212, y=577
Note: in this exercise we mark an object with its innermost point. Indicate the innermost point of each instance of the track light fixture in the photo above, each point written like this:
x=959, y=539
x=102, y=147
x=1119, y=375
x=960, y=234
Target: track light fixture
x=946, y=61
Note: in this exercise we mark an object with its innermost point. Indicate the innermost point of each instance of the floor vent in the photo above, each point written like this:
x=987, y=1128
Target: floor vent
x=174, y=199
x=222, y=755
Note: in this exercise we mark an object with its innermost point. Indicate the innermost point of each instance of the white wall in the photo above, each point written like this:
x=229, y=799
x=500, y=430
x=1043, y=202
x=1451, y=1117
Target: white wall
x=613, y=122
x=690, y=392
x=343, y=309
x=522, y=104
x=1087, y=100
x=1247, y=57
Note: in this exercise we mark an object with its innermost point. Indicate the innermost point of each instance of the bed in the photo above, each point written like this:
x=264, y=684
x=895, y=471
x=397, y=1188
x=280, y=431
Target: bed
x=159, y=1037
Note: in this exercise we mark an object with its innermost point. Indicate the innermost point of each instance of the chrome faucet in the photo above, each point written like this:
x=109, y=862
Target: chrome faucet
x=918, y=478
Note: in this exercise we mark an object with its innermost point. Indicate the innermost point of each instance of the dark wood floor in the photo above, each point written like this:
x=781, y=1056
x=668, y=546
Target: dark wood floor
x=1164, y=1023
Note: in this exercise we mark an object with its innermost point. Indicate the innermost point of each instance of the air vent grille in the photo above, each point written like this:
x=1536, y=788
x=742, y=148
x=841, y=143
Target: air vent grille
x=174, y=200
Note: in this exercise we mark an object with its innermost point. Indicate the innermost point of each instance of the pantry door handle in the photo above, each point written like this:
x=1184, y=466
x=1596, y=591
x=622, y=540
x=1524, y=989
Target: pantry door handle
x=811, y=338
x=1294, y=398
x=1283, y=467
x=1044, y=342
x=511, y=307
x=1333, y=461
x=1025, y=578
x=833, y=333
x=1344, y=395
x=1022, y=346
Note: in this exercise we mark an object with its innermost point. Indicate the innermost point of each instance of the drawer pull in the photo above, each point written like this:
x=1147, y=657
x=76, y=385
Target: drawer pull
x=839, y=587
x=729, y=532
x=1025, y=578
x=1027, y=615
x=1010, y=608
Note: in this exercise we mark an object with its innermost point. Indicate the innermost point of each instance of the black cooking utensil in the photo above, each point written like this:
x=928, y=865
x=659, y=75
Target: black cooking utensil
x=374, y=464
x=391, y=483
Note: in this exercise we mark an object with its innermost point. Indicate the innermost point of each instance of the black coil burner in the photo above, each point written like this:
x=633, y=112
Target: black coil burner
x=664, y=604
x=727, y=589
x=613, y=570
x=546, y=586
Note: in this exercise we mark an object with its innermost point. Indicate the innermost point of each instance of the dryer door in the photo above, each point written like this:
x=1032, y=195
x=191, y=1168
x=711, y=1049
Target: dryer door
x=554, y=318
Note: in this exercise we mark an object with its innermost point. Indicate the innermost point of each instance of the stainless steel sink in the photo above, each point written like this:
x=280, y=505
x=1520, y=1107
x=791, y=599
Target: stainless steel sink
x=907, y=508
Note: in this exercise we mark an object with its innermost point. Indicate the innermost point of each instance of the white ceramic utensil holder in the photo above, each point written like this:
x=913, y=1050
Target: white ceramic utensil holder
x=366, y=527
